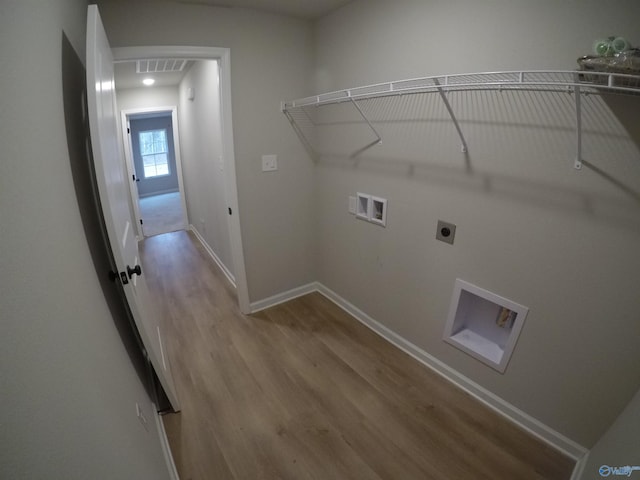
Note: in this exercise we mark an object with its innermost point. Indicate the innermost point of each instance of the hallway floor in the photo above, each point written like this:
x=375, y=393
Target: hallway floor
x=161, y=214
x=304, y=391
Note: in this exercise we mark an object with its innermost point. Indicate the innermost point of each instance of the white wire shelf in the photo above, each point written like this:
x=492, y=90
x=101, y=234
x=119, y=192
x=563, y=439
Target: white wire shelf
x=589, y=82
x=583, y=82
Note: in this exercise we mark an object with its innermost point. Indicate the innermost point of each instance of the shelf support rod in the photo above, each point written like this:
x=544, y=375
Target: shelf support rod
x=451, y=114
x=378, y=139
x=578, y=161
x=306, y=114
x=305, y=142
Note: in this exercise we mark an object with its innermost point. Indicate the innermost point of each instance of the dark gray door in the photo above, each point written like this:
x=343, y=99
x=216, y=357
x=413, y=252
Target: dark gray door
x=153, y=154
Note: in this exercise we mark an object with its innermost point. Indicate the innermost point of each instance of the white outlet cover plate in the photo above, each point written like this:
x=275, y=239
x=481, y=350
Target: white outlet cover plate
x=269, y=163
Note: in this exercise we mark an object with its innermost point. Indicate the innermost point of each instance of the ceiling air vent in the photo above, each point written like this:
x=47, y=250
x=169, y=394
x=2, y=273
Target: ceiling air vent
x=160, y=65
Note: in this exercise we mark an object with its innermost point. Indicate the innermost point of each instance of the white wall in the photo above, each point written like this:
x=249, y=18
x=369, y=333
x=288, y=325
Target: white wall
x=203, y=165
x=619, y=446
x=458, y=36
x=150, y=97
x=530, y=227
x=271, y=59
x=68, y=386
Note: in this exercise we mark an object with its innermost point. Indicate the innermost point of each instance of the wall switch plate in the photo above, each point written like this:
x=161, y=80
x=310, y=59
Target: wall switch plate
x=269, y=163
x=352, y=205
x=446, y=232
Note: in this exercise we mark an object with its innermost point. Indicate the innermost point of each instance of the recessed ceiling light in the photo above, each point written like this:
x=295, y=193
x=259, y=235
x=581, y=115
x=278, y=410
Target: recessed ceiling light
x=148, y=81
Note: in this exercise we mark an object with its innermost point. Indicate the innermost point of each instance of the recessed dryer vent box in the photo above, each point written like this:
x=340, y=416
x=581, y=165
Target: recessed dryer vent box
x=483, y=324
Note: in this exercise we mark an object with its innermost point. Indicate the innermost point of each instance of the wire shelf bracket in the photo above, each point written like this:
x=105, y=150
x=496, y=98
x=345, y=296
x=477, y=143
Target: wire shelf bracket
x=447, y=105
x=578, y=162
x=296, y=128
x=378, y=139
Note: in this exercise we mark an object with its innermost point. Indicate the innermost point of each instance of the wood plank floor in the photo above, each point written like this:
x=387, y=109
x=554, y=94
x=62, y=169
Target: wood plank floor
x=304, y=391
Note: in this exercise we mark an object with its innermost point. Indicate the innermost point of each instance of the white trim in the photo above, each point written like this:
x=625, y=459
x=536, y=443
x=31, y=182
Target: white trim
x=177, y=152
x=164, y=443
x=578, y=470
x=523, y=420
x=235, y=231
x=223, y=55
x=127, y=54
x=283, y=297
x=212, y=254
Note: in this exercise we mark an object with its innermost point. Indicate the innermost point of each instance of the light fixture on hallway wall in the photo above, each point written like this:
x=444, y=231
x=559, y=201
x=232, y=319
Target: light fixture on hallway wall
x=148, y=82
x=191, y=93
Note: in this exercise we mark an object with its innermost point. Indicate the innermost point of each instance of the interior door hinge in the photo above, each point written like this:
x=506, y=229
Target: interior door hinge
x=128, y=130
x=230, y=212
x=141, y=222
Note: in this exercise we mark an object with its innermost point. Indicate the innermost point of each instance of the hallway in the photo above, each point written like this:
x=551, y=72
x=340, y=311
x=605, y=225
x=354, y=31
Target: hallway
x=161, y=214
x=304, y=391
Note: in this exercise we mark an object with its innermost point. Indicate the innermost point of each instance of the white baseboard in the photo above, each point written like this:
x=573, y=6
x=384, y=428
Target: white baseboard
x=517, y=416
x=212, y=254
x=159, y=192
x=283, y=297
x=166, y=449
x=578, y=470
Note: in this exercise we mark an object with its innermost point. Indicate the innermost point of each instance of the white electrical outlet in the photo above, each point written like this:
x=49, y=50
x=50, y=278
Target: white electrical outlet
x=269, y=163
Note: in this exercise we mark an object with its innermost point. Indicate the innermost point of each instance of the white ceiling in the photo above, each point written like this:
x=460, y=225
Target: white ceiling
x=306, y=9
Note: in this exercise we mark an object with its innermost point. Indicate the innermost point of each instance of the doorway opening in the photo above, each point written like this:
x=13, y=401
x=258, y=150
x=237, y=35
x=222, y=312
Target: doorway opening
x=227, y=156
x=154, y=163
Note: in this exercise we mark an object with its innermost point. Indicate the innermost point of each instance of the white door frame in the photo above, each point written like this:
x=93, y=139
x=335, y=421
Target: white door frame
x=128, y=154
x=223, y=55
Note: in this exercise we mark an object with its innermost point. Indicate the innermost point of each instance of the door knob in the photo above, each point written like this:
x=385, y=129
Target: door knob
x=134, y=271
